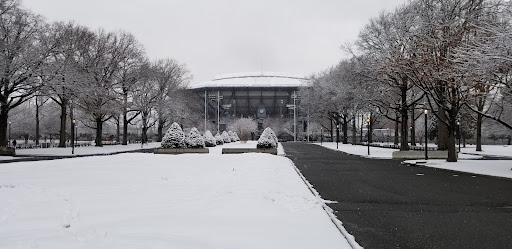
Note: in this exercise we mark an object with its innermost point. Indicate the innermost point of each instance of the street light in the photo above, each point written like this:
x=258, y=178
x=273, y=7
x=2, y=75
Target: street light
x=368, y=121
x=73, y=138
x=337, y=135
x=426, y=133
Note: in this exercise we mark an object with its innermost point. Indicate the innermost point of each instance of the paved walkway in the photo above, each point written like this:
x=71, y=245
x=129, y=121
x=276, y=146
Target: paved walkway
x=388, y=205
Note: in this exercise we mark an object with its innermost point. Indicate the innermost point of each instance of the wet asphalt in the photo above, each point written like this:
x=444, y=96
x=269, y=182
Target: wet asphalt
x=386, y=204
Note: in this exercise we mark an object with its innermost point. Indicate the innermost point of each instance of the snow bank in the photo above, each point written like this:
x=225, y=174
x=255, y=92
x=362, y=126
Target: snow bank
x=499, y=168
x=162, y=201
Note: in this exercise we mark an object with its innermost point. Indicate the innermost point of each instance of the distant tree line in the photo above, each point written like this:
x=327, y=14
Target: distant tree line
x=452, y=57
x=92, y=76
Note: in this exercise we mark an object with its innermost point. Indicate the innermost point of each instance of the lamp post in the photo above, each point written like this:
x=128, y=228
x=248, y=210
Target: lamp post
x=337, y=135
x=205, y=110
x=294, y=117
x=73, y=138
x=426, y=133
x=368, y=128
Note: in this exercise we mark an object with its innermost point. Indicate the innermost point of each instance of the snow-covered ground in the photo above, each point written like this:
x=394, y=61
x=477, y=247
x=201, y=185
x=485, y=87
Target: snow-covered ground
x=162, y=201
x=86, y=150
x=489, y=150
x=501, y=168
x=359, y=150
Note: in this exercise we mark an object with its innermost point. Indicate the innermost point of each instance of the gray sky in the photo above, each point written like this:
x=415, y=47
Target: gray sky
x=227, y=36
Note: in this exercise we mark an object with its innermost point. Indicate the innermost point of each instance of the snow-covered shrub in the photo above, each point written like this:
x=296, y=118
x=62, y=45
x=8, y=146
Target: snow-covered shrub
x=225, y=137
x=267, y=140
x=236, y=137
x=218, y=139
x=243, y=127
x=272, y=134
x=174, y=137
x=209, y=140
x=232, y=136
x=194, y=139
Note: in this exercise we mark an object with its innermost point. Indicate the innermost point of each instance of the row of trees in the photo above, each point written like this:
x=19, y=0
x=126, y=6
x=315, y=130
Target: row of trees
x=95, y=76
x=452, y=57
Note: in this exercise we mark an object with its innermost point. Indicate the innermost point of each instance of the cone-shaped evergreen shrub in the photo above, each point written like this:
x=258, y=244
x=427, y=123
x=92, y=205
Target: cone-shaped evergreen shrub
x=209, y=140
x=267, y=139
x=174, y=137
x=225, y=137
x=219, y=140
x=194, y=139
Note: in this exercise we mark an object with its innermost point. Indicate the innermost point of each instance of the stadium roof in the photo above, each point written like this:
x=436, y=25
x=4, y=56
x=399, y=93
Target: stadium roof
x=256, y=79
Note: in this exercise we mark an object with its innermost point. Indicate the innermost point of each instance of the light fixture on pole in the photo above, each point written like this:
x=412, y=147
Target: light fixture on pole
x=368, y=128
x=426, y=133
x=205, y=110
x=337, y=135
x=73, y=138
x=294, y=117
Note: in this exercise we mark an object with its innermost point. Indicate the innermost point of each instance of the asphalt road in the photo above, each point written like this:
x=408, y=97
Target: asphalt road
x=388, y=205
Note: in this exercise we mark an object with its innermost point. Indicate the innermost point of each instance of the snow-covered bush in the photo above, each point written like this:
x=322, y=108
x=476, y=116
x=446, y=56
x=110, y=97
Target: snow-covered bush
x=243, y=127
x=218, y=139
x=225, y=137
x=236, y=137
x=232, y=136
x=209, y=140
x=272, y=134
x=174, y=137
x=267, y=139
x=194, y=139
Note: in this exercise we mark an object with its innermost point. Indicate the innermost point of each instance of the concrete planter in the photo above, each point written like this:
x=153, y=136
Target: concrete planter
x=272, y=151
x=7, y=151
x=432, y=154
x=176, y=151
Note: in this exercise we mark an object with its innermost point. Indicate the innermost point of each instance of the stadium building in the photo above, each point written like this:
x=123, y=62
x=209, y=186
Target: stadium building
x=251, y=95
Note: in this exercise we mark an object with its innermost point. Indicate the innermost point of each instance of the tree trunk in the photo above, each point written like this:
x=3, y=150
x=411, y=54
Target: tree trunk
x=397, y=124
x=4, y=115
x=413, y=128
x=404, y=113
x=452, y=151
x=354, y=130
x=125, y=129
x=37, y=122
x=118, y=130
x=442, y=131
x=72, y=125
x=332, y=135
x=160, y=130
x=99, y=131
x=361, y=134
x=63, y=116
x=479, y=132
x=345, y=129
x=370, y=129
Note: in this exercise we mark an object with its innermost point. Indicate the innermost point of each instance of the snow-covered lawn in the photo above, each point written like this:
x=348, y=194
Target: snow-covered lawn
x=162, y=201
x=500, y=168
x=86, y=150
x=359, y=150
x=490, y=150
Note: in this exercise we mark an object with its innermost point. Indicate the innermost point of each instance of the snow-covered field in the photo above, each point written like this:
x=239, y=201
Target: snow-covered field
x=162, y=201
x=86, y=150
x=501, y=168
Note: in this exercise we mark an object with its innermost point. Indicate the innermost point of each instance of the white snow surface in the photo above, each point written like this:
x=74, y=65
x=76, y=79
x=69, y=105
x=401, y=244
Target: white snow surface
x=88, y=150
x=359, y=150
x=490, y=150
x=162, y=201
x=253, y=79
x=499, y=168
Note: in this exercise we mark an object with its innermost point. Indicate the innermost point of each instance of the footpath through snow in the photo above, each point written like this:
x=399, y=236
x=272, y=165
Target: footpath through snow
x=467, y=162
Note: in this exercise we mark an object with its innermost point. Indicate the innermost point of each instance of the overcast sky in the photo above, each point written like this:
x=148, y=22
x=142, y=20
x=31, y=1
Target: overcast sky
x=215, y=37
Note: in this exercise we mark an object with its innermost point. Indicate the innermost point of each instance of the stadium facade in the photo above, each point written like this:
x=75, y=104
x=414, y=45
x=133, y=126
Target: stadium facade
x=251, y=95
